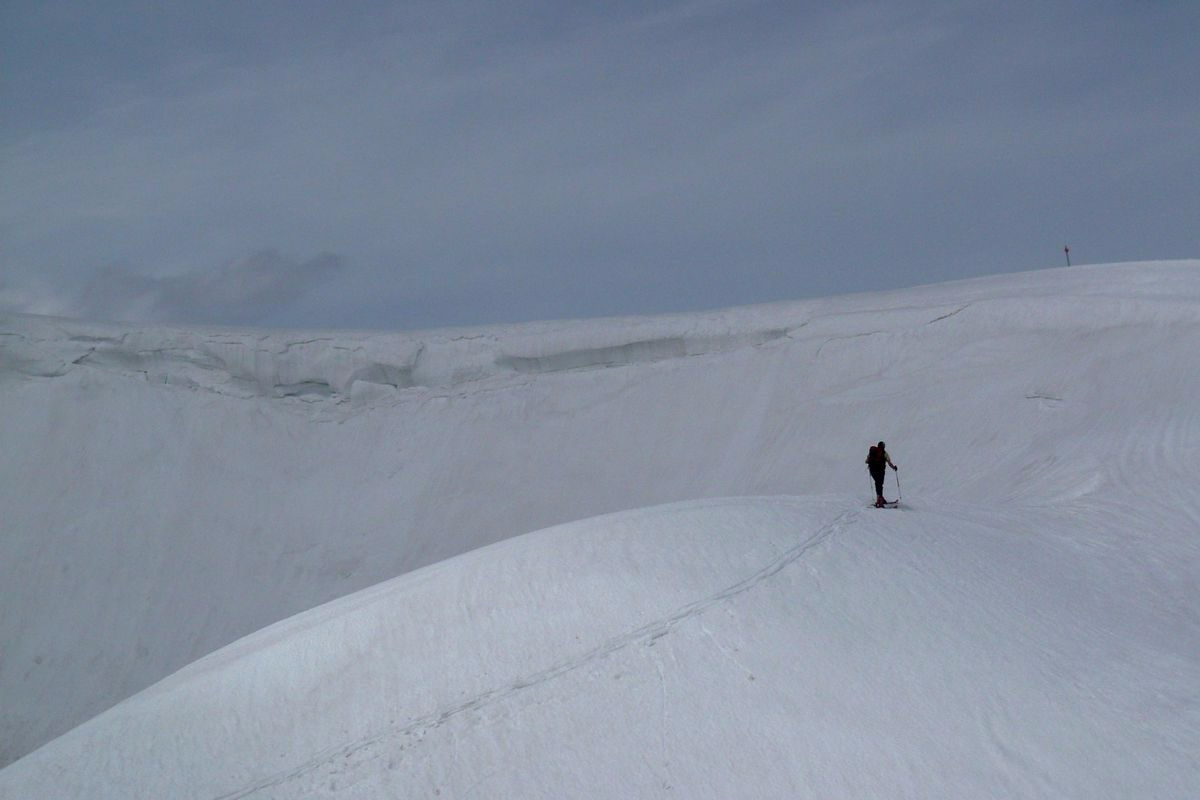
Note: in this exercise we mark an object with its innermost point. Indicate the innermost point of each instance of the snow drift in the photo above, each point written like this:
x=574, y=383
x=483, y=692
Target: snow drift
x=167, y=491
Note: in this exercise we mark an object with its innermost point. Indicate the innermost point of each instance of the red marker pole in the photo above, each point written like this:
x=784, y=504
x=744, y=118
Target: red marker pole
x=1067, y=250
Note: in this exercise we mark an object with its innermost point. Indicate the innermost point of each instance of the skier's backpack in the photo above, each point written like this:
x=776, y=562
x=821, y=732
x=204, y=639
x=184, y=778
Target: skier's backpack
x=876, y=459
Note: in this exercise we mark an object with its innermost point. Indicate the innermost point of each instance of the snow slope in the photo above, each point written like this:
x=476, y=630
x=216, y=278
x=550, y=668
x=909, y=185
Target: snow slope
x=167, y=491
x=741, y=648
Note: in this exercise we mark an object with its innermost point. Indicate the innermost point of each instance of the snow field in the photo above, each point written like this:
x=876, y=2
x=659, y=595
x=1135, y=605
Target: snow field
x=1027, y=626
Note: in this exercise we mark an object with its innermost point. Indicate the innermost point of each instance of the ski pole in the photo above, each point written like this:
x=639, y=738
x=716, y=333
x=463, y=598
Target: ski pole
x=898, y=493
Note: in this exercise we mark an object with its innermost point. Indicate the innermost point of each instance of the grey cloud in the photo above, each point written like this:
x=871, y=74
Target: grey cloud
x=252, y=290
x=31, y=299
x=490, y=162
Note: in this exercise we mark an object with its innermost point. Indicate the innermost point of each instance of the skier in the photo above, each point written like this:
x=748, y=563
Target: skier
x=878, y=461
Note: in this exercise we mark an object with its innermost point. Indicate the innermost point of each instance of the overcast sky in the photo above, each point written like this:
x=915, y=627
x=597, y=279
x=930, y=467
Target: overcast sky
x=410, y=164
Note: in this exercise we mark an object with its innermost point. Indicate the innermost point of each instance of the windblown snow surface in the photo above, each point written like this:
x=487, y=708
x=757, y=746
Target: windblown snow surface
x=707, y=607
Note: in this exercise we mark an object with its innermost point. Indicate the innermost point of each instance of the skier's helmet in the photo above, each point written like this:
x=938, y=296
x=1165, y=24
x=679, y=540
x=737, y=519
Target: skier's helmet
x=881, y=447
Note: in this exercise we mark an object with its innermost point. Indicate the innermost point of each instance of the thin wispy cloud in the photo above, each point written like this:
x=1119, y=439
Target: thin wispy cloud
x=244, y=292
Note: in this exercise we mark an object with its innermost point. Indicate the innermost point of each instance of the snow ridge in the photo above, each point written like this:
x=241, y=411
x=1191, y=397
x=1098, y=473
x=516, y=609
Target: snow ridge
x=349, y=756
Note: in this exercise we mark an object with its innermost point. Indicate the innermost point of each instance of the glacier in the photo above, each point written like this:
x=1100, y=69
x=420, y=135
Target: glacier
x=301, y=563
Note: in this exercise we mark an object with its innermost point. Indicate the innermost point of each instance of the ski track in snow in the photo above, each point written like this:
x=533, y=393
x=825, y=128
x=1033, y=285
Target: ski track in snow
x=361, y=750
